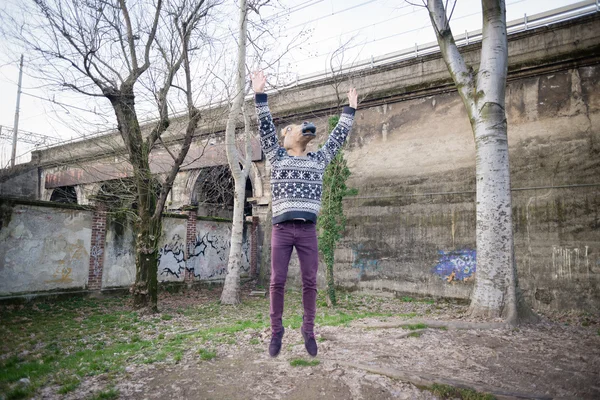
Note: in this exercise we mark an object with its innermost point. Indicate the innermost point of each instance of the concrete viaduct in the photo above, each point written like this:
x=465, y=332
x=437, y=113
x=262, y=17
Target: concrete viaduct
x=412, y=157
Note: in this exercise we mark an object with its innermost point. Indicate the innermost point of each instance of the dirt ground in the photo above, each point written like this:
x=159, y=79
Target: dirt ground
x=549, y=360
x=543, y=361
x=369, y=348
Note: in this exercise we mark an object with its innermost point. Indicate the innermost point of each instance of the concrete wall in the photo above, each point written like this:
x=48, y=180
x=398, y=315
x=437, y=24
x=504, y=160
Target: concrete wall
x=206, y=260
x=171, y=261
x=119, y=254
x=44, y=248
x=47, y=247
x=20, y=181
x=411, y=229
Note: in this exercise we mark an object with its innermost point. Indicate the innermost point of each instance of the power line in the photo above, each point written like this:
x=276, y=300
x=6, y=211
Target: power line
x=396, y=34
x=63, y=104
x=6, y=132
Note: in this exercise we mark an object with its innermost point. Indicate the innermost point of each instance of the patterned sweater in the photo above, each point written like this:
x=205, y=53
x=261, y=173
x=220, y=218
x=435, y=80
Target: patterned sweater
x=297, y=182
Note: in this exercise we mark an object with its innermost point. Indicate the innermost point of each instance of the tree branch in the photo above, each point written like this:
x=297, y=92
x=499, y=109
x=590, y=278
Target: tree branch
x=461, y=74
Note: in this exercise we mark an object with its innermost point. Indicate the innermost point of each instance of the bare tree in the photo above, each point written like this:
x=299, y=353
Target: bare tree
x=496, y=292
x=114, y=50
x=238, y=164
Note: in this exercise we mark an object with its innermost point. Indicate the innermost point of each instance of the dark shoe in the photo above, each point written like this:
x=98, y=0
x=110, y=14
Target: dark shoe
x=275, y=346
x=309, y=342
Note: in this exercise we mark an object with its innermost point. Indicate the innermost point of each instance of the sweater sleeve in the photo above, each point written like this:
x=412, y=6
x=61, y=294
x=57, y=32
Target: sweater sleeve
x=268, y=135
x=338, y=136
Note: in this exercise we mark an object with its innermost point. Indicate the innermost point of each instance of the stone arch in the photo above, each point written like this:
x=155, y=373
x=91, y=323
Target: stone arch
x=64, y=194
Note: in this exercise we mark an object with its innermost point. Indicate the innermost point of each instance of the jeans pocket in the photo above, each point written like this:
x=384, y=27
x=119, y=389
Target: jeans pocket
x=308, y=227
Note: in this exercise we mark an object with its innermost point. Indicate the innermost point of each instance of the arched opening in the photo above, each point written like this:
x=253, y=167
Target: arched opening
x=64, y=194
x=213, y=192
x=249, y=193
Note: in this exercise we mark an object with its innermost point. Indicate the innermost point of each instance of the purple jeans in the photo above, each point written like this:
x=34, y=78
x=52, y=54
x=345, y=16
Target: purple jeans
x=285, y=236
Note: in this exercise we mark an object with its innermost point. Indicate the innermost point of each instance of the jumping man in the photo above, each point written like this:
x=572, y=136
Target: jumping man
x=296, y=186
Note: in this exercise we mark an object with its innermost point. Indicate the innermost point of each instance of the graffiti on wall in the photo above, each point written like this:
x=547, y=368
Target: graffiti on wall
x=567, y=262
x=456, y=265
x=171, y=257
x=363, y=260
x=207, y=255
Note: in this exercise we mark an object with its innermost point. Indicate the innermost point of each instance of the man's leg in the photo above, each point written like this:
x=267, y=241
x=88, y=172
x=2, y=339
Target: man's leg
x=282, y=241
x=308, y=254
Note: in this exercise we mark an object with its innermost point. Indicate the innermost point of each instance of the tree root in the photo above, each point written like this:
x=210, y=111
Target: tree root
x=424, y=381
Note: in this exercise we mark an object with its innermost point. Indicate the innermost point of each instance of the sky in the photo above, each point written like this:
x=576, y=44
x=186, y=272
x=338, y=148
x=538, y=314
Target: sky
x=368, y=28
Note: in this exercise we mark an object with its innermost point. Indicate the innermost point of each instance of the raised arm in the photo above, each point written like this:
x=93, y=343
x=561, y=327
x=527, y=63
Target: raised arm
x=268, y=134
x=338, y=136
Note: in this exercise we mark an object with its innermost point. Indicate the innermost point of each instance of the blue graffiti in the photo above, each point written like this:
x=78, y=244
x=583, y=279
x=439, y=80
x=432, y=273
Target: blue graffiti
x=362, y=261
x=456, y=265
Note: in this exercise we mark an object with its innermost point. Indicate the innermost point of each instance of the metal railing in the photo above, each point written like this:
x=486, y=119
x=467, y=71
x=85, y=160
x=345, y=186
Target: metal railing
x=522, y=24
x=518, y=25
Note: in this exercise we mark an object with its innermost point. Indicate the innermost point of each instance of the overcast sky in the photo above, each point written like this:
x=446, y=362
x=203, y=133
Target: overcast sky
x=375, y=27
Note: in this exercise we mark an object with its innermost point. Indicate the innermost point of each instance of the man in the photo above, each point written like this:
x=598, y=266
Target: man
x=296, y=185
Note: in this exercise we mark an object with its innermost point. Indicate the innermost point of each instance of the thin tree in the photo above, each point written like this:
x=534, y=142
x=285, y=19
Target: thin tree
x=238, y=164
x=496, y=293
x=332, y=221
x=108, y=49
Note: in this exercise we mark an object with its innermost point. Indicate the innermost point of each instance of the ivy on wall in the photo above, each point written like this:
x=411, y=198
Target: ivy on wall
x=332, y=222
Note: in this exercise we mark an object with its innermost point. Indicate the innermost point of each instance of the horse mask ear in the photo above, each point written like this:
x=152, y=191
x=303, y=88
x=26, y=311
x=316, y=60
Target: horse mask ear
x=308, y=129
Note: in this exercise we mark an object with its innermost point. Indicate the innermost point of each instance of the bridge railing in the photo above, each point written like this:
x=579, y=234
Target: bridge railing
x=518, y=25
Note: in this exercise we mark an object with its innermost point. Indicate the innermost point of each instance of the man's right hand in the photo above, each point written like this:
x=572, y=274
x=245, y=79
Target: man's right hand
x=259, y=80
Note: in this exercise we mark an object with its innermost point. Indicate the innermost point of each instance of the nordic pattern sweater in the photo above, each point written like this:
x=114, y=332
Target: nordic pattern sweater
x=297, y=182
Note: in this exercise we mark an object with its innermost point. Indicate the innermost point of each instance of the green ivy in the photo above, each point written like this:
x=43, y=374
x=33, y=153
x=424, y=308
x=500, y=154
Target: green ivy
x=332, y=222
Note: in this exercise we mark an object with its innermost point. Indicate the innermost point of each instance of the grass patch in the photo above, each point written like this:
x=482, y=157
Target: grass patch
x=166, y=317
x=451, y=392
x=106, y=395
x=68, y=385
x=298, y=362
x=20, y=392
x=415, y=334
x=207, y=355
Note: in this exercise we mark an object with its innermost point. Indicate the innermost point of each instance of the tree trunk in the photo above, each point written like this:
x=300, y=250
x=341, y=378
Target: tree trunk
x=493, y=294
x=496, y=293
x=231, y=287
x=147, y=229
x=145, y=288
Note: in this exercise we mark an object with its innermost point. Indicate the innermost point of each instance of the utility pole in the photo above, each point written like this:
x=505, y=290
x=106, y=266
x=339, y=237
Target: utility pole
x=16, y=124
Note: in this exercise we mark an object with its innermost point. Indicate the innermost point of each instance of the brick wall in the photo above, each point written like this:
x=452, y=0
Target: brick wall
x=190, y=240
x=97, y=248
x=254, y=247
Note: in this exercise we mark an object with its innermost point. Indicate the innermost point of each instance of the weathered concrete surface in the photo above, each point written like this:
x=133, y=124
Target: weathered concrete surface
x=413, y=163
x=119, y=254
x=20, y=181
x=42, y=250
